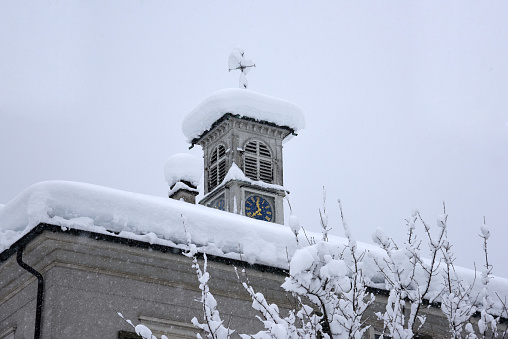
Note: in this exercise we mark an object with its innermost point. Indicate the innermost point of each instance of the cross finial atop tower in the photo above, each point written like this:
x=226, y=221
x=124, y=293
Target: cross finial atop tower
x=237, y=61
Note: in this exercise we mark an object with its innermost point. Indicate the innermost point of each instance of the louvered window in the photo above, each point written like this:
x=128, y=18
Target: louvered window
x=257, y=164
x=217, y=171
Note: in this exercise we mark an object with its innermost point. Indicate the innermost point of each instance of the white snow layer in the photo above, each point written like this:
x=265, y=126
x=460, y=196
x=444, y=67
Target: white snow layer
x=244, y=103
x=146, y=218
x=235, y=173
x=183, y=167
x=158, y=220
x=181, y=186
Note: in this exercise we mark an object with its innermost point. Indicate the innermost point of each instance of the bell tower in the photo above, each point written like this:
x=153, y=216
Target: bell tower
x=241, y=133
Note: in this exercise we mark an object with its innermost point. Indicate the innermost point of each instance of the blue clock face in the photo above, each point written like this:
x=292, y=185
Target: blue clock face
x=219, y=204
x=258, y=208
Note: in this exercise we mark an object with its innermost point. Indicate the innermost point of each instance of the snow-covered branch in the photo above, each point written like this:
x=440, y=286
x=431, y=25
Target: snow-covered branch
x=212, y=323
x=141, y=330
x=330, y=279
x=456, y=300
x=487, y=319
x=408, y=276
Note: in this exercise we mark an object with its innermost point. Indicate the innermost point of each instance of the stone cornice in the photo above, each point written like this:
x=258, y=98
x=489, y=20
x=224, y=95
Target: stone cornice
x=227, y=121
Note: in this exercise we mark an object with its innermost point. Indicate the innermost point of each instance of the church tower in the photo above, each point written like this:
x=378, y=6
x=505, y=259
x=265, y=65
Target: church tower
x=241, y=133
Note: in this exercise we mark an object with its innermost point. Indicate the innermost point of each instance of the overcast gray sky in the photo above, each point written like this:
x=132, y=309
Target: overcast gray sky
x=405, y=101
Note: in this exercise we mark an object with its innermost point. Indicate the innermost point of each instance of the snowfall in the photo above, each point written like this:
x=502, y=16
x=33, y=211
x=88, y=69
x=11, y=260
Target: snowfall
x=158, y=220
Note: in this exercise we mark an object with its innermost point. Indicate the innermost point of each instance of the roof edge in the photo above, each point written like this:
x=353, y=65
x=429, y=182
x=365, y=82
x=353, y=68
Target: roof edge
x=44, y=227
x=227, y=116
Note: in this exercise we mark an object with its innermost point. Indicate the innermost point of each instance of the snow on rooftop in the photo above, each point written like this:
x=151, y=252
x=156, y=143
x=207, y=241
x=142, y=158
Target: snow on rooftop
x=158, y=220
x=244, y=103
x=183, y=167
x=181, y=186
x=235, y=173
x=146, y=218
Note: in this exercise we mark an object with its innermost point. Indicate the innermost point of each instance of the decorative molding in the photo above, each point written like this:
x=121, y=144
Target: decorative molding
x=8, y=333
x=175, y=329
x=227, y=121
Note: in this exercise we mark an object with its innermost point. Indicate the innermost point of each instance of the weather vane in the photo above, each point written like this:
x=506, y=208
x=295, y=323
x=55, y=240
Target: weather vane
x=237, y=61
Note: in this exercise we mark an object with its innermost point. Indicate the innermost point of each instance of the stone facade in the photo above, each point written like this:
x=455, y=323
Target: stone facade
x=234, y=133
x=88, y=280
x=90, y=277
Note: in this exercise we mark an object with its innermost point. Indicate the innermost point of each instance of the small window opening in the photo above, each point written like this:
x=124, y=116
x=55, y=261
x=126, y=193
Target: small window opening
x=217, y=171
x=257, y=164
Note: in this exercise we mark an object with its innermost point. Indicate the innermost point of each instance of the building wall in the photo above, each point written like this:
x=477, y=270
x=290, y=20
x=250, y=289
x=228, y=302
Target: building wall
x=88, y=281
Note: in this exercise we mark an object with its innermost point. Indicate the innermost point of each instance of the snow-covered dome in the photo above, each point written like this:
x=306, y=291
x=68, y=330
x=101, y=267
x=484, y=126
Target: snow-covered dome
x=183, y=167
x=244, y=103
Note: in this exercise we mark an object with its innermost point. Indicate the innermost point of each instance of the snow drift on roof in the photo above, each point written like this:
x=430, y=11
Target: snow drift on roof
x=145, y=218
x=244, y=103
x=157, y=220
x=183, y=167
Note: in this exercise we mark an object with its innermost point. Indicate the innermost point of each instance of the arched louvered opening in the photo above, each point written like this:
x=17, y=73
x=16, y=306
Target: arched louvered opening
x=257, y=164
x=217, y=171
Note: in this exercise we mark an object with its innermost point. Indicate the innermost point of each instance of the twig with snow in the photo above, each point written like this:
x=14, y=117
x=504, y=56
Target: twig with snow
x=487, y=303
x=324, y=218
x=400, y=270
x=140, y=329
x=456, y=302
x=213, y=326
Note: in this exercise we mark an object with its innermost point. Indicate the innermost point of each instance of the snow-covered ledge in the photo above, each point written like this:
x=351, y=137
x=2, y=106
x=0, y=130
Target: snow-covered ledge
x=244, y=103
x=158, y=220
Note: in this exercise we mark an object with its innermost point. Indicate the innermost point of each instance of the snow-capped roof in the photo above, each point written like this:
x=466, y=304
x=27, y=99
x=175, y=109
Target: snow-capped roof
x=158, y=220
x=145, y=218
x=244, y=103
x=183, y=167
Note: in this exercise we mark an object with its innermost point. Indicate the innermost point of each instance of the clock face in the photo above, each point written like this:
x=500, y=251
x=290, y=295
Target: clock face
x=219, y=204
x=258, y=208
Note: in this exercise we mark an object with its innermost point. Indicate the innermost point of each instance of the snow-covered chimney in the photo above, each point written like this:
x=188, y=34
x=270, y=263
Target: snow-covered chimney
x=183, y=173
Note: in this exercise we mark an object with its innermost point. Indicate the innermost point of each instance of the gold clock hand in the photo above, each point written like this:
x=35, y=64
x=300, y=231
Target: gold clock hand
x=257, y=205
